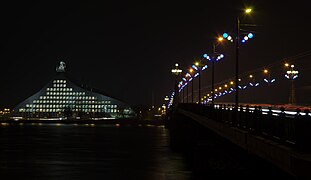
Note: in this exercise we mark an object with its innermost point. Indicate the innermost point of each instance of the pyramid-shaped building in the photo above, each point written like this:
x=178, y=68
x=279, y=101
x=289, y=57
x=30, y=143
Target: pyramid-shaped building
x=62, y=98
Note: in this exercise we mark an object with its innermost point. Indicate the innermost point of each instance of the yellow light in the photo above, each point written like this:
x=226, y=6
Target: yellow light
x=207, y=94
x=226, y=85
x=197, y=63
x=265, y=71
x=250, y=76
x=216, y=90
x=248, y=10
x=286, y=64
x=220, y=39
x=190, y=70
x=239, y=79
x=231, y=82
x=219, y=88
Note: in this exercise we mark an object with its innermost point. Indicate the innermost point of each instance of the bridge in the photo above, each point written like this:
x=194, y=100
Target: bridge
x=278, y=133
x=276, y=137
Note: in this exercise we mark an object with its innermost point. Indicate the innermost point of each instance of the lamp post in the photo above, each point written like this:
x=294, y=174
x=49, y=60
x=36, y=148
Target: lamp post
x=191, y=71
x=187, y=79
x=198, y=66
x=237, y=47
x=176, y=72
x=215, y=57
x=291, y=75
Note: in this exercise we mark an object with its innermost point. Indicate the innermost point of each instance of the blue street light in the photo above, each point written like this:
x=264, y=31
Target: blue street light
x=214, y=57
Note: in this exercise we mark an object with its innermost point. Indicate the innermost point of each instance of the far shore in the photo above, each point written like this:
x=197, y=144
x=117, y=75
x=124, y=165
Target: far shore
x=88, y=121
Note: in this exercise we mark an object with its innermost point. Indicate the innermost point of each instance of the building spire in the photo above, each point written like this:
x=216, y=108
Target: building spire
x=61, y=67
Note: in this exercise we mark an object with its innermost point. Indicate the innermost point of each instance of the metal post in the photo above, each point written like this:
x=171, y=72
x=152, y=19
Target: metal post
x=199, y=84
x=213, y=79
x=183, y=95
x=192, y=90
x=187, y=91
x=237, y=43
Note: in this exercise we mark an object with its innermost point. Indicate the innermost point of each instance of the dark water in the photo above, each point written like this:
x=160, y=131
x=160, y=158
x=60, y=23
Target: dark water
x=60, y=151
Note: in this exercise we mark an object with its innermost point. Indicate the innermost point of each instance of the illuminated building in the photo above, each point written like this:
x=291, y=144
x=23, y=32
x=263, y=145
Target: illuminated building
x=61, y=98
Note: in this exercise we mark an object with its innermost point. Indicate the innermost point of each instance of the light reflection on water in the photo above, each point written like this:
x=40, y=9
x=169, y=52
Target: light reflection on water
x=77, y=151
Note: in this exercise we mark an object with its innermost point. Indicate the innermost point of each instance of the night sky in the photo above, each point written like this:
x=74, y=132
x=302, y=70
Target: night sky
x=128, y=48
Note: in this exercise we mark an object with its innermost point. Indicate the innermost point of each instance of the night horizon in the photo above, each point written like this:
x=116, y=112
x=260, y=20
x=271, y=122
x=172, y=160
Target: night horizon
x=127, y=50
x=155, y=90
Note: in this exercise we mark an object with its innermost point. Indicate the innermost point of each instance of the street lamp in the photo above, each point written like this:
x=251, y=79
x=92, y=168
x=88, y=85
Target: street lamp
x=190, y=72
x=268, y=79
x=291, y=75
x=237, y=46
x=215, y=57
x=187, y=79
x=176, y=72
x=198, y=66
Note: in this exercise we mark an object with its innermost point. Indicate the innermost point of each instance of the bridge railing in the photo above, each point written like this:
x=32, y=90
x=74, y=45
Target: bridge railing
x=292, y=130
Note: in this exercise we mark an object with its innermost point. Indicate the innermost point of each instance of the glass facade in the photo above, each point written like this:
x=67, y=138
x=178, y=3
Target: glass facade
x=62, y=98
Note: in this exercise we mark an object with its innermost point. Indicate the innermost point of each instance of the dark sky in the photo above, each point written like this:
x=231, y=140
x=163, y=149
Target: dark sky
x=127, y=48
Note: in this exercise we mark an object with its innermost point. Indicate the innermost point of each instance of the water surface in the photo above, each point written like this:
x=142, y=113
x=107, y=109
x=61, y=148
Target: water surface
x=58, y=151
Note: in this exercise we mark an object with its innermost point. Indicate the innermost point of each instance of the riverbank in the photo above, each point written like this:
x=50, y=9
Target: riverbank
x=89, y=121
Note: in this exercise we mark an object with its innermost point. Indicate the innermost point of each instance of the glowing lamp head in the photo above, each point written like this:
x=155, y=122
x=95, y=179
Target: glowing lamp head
x=250, y=35
x=197, y=63
x=286, y=64
x=225, y=35
x=190, y=70
x=292, y=66
x=250, y=76
x=220, y=39
x=248, y=10
x=265, y=71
